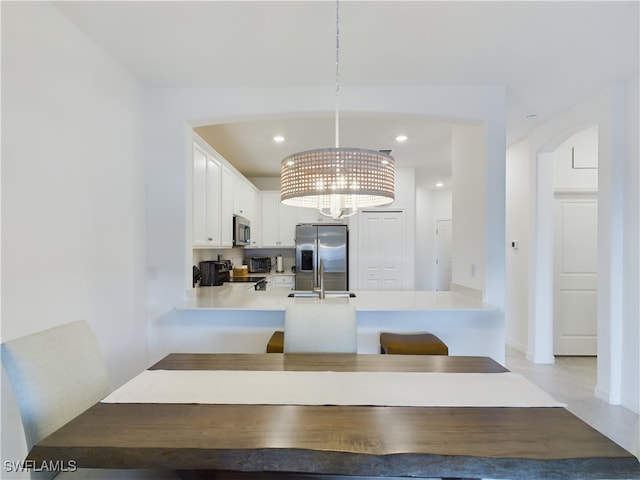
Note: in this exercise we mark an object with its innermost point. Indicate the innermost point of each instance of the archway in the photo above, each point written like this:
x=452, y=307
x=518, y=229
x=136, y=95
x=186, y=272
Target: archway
x=541, y=327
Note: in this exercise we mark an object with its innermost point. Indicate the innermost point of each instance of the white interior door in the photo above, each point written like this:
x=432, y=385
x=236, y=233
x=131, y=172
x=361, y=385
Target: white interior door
x=443, y=255
x=380, y=250
x=575, y=279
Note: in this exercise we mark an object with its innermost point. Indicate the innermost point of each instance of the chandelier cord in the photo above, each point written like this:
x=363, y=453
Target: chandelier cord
x=337, y=72
x=337, y=181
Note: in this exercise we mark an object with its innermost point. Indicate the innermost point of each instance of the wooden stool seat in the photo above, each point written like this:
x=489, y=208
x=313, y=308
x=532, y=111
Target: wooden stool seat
x=276, y=342
x=412, y=344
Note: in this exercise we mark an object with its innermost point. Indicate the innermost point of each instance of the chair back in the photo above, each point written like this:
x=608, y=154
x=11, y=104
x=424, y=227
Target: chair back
x=56, y=374
x=320, y=329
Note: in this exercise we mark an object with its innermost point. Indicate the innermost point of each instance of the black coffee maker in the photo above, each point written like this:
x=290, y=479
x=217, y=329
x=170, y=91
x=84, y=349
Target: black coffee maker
x=214, y=272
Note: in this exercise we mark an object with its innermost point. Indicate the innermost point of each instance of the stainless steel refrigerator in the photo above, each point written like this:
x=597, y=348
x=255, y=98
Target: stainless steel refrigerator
x=328, y=243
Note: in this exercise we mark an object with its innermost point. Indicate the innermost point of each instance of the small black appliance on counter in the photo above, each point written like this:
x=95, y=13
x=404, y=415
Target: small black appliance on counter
x=214, y=272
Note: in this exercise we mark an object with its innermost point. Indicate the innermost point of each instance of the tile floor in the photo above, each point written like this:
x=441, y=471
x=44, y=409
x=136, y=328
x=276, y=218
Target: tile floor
x=572, y=380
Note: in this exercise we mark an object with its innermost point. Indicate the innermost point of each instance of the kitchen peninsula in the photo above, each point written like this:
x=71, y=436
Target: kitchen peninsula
x=237, y=318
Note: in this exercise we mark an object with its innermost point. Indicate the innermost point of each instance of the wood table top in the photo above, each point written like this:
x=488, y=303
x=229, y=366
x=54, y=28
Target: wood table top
x=474, y=442
x=338, y=362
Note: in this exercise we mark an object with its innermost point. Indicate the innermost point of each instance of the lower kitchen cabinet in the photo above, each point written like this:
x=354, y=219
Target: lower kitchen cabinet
x=282, y=281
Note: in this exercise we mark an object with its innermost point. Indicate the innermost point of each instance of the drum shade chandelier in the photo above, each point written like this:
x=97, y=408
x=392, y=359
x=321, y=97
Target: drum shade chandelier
x=337, y=181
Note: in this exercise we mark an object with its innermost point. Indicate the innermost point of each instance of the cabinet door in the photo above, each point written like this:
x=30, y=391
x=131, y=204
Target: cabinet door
x=199, y=199
x=254, y=209
x=282, y=281
x=240, y=189
x=206, y=200
x=270, y=230
x=286, y=225
x=226, y=212
x=251, y=197
x=214, y=234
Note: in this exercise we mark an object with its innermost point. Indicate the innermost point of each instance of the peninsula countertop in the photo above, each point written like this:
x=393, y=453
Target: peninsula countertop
x=244, y=297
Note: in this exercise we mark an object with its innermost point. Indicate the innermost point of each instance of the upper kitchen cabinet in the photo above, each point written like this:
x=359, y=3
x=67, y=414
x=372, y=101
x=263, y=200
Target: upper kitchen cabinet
x=278, y=222
x=207, y=181
x=245, y=198
x=212, y=199
x=226, y=206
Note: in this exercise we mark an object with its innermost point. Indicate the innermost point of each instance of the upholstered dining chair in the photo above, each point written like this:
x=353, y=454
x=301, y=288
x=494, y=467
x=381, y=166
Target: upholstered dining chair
x=56, y=374
x=320, y=329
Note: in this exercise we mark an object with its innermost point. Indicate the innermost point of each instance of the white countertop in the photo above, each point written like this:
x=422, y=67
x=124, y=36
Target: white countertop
x=243, y=296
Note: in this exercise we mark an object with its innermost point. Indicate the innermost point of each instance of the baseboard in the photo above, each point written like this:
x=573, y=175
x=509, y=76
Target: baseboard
x=603, y=395
x=540, y=359
x=516, y=346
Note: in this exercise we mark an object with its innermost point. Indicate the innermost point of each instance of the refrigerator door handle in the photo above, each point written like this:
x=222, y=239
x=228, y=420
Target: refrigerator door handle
x=316, y=256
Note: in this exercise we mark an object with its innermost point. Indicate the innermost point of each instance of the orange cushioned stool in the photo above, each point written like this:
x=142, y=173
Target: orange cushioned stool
x=276, y=342
x=412, y=344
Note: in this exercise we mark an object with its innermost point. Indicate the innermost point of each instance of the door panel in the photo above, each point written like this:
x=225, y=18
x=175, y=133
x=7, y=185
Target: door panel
x=575, y=287
x=381, y=255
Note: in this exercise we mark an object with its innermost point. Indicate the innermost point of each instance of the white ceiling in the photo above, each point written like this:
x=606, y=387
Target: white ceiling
x=550, y=55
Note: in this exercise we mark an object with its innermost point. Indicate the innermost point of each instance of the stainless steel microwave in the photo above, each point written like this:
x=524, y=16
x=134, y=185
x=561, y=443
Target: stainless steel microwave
x=241, y=231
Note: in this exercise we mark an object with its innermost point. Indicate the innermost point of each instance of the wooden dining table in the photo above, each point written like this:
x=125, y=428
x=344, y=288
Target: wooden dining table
x=354, y=440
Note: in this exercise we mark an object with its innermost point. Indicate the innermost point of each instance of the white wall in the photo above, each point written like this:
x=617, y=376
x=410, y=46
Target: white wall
x=469, y=169
x=73, y=220
x=630, y=395
x=518, y=227
x=566, y=177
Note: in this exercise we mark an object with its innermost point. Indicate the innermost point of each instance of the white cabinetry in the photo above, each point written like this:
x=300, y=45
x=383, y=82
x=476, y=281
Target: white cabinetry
x=282, y=281
x=278, y=222
x=254, y=214
x=206, y=199
x=212, y=208
x=226, y=207
x=245, y=204
x=244, y=198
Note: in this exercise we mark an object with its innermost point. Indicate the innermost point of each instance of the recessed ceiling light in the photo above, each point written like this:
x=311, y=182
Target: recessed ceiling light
x=439, y=184
x=401, y=138
x=278, y=139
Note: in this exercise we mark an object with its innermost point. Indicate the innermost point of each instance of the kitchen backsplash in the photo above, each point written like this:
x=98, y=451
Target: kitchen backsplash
x=237, y=255
x=288, y=256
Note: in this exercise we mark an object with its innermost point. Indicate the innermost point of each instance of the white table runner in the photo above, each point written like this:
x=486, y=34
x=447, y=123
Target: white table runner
x=420, y=389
